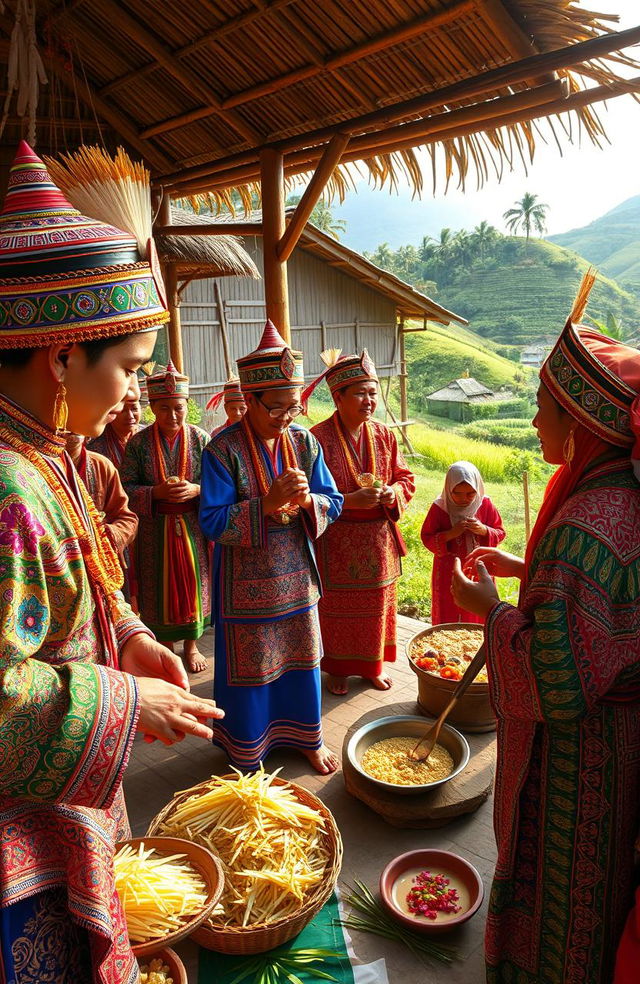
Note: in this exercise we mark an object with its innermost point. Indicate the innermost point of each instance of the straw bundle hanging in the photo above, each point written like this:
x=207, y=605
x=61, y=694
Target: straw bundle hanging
x=115, y=190
x=25, y=71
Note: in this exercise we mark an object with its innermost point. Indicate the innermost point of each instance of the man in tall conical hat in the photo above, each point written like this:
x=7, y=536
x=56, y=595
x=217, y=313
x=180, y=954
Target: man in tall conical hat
x=359, y=556
x=233, y=401
x=161, y=475
x=79, y=673
x=267, y=496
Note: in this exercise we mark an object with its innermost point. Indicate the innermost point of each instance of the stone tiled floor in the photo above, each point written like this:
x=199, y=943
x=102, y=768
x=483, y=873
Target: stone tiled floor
x=156, y=772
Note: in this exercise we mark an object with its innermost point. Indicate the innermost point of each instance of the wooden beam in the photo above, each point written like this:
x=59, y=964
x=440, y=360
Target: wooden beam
x=273, y=226
x=175, y=328
x=326, y=166
x=512, y=35
x=412, y=134
x=120, y=123
x=123, y=21
x=222, y=229
x=506, y=75
x=397, y=35
x=330, y=64
x=213, y=36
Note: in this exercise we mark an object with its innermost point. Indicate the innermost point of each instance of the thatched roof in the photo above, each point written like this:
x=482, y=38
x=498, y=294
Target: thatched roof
x=467, y=390
x=409, y=302
x=204, y=256
x=199, y=87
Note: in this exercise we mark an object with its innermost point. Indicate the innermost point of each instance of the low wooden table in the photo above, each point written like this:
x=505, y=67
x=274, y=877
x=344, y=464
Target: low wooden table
x=463, y=794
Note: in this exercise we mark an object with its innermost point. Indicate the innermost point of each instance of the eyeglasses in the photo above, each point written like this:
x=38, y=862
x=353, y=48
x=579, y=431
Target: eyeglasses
x=277, y=414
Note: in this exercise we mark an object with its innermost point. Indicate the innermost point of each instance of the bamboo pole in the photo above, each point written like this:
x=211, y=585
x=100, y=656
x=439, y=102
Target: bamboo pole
x=223, y=327
x=576, y=101
x=527, y=514
x=121, y=20
x=328, y=162
x=273, y=226
x=404, y=405
x=175, y=329
x=506, y=75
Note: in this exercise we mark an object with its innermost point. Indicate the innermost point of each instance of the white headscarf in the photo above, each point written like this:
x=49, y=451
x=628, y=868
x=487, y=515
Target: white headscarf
x=461, y=471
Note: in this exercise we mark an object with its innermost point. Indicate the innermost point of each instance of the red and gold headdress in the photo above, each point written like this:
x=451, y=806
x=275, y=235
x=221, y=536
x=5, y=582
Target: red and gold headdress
x=273, y=365
x=594, y=378
x=65, y=277
x=167, y=383
x=230, y=393
x=342, y=371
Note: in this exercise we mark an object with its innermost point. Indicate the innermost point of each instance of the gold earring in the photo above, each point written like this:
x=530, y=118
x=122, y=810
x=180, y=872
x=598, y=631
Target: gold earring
x=60, y=409
x=569, y=448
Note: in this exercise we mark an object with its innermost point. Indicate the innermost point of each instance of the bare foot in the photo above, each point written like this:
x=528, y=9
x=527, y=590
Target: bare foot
x=382, y=682
x=322, y=759
x=337, y=685
x=196, y=662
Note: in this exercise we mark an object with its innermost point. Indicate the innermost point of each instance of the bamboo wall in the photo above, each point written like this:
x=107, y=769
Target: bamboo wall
x=354, y=316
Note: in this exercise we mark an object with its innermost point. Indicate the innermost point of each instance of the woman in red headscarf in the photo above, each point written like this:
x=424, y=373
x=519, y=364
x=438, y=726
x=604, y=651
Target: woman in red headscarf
x=564, y=676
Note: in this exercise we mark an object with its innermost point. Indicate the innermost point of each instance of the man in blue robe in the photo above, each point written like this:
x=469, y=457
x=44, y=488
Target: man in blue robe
x=266, y=495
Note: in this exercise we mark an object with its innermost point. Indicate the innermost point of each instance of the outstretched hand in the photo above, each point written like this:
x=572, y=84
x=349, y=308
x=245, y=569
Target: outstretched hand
x=497, y=562
x=478, y=596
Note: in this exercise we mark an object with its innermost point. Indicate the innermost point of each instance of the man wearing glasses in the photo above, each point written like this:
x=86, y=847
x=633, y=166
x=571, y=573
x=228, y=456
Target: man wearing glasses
x=266, y=495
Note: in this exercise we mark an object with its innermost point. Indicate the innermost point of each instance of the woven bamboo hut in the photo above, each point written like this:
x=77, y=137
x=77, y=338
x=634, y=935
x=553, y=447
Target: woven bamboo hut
x=218, y=95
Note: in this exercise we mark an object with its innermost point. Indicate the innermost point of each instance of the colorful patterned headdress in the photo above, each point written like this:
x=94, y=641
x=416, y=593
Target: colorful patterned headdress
x=342, y=371
x=65, y=277
x=273, y=365
x=230, y=393
x=167, y=383
x=594, y=378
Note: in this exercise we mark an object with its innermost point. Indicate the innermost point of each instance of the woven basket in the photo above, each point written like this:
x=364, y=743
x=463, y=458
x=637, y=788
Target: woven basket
x=264, y=936
x=204, y=863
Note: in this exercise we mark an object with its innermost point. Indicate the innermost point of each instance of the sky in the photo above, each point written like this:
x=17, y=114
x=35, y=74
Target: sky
x=579, y=186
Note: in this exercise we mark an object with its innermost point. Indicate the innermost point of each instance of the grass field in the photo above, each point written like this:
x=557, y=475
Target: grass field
x=414, y=587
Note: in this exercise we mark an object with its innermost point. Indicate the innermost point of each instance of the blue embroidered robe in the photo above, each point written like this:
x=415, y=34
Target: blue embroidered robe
x=266, y=589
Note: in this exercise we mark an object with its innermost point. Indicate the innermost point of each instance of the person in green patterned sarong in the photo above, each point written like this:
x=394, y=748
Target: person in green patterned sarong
x=161, y=475
x=564, y=677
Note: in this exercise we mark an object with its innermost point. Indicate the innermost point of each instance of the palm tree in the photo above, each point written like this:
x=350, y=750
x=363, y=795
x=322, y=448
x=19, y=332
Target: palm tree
x=322, y=217
x=383, y=257
x=528, y=213
x=484, y=236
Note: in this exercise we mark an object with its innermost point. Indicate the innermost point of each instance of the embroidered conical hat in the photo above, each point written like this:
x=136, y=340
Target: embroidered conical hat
x=273, y=365
x=230, y=393
x=595, y=378
x=167, y=383
x=65, y=277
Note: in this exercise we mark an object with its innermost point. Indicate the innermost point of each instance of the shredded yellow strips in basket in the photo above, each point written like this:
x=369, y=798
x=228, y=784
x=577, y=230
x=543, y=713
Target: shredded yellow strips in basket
x=157, y=893
x=271, y=845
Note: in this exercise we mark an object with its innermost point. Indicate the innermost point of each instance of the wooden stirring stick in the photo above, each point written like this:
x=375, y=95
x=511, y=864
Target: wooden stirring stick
x=427, y=744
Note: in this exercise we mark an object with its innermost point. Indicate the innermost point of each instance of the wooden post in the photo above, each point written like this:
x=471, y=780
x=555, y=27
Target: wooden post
x=170, y=273
x=527, y=515
x=273, y=226
x=404, y=411
x=175, y=329
x=326, y=165
x=223, y=327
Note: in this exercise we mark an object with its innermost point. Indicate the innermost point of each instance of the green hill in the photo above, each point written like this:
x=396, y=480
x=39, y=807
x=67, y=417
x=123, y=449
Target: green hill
x=612, y=242
x=439, y=355
x=529, y=298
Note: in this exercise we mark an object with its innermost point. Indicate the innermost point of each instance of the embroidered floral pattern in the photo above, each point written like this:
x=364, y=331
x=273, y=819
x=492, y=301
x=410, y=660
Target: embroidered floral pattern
x=19, y=529
x=30, y=619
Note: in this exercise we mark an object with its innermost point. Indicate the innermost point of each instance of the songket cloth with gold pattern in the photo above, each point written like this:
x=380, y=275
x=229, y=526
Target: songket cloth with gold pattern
x=265, y=597
x=564, y=676
x=360, y=558
x=67, y=719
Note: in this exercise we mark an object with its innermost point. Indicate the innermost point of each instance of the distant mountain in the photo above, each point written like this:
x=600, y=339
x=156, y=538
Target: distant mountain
x=612, y=243
x=528, y=299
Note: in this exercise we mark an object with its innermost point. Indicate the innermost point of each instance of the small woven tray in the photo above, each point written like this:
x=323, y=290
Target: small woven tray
x=265, y=936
